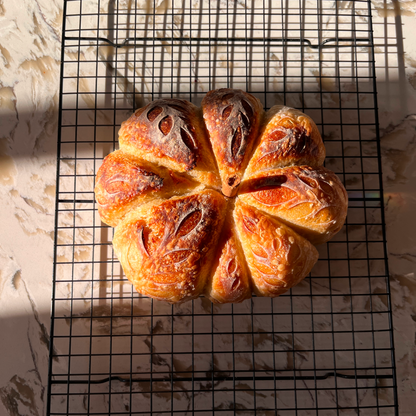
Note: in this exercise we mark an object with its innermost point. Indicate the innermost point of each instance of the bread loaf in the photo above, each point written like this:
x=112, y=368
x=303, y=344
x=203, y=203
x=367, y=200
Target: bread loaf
x=223, y=201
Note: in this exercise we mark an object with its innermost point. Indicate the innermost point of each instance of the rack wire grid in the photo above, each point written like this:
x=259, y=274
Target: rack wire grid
x=325, y=347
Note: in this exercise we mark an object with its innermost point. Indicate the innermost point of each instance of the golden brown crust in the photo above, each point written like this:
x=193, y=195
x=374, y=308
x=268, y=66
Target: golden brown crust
x=123, y=180
x=278, y=258
x=312, y=201
x=177, y=239
x=232, y=118
x=163, y=128
x=288, y=137
x=230, y=281
x=165, y=249
x=169, y=132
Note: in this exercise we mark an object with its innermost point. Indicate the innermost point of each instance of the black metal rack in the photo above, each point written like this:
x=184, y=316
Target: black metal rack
x=325, y=347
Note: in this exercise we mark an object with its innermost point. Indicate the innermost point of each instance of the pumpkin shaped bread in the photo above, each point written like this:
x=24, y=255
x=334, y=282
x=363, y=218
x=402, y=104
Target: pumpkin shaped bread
x=222, y=201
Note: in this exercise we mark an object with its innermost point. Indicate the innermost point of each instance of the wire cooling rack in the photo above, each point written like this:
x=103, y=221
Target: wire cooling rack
x=325, y=347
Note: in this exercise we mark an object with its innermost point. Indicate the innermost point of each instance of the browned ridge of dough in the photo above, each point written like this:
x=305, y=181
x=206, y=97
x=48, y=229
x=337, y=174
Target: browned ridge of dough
x=120, y=180
x=312, y=201
x=277, y=256
x=166, y=250
x=288, y=137
x=232, y=118
x=170, y=132
x=230, y=281
x=177, y=237
x=125, y=182
x=163, y=129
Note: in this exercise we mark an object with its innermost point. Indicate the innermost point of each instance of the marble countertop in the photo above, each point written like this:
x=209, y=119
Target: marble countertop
x=29, y=93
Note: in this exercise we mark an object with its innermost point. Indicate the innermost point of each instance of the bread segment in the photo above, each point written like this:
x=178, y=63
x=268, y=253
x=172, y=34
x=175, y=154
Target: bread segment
x=288, y=137
x=124, y=182
x=278, y=257
x=169, y=132
x=232, y=118
x=312, y=201
x=230, y=281
x=166, y=249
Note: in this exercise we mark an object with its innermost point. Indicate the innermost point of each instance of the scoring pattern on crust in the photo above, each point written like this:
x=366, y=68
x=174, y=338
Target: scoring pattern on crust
x=278, y=257
x=165, y=250
x=311, y=200
x=164, y=129
x=125, y=182
x=232, y=118
x=289, y=137
x=230, y=281
x=170, y=132
x=177, y=237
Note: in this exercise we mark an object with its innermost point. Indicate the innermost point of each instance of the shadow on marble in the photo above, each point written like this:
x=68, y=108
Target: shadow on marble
x=193, y=342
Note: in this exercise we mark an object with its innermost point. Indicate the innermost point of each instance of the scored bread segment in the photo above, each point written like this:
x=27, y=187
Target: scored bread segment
x=230, y=282
x=312, y=201
x=232, y=118
x=166, y=248
x=169, y=132
x=124, y=182
x=278, y=258
x=288, y=137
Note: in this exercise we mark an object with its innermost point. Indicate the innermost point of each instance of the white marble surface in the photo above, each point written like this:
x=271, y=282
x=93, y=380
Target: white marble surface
x=29, y=80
